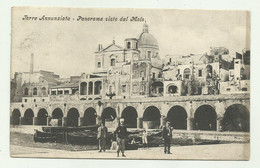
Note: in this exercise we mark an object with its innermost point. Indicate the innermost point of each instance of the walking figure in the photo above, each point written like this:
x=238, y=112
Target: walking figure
x=167, y=137
x=144, y=138
x=121, y=135
x=101, y=136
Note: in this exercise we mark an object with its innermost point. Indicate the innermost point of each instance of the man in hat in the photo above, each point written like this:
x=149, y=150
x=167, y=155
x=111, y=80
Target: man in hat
x=101, y=136
x=121, y=135
x=167, y=137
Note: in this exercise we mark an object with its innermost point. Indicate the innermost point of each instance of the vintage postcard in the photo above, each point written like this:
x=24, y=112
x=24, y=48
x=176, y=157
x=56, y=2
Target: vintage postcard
x=130, y=83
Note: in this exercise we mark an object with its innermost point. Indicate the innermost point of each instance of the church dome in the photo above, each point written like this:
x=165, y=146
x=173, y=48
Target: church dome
x=146, y=40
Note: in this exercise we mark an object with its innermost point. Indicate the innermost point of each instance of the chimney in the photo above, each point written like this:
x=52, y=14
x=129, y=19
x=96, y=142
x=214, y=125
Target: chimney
x=31, y=64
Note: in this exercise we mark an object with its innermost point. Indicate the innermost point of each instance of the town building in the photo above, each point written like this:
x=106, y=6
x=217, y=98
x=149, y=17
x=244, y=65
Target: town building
x=134, y=83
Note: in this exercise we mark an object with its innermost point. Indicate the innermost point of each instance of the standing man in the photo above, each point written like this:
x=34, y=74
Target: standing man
x=144, y=139
x=121, y=135
x=101, y=136
x=167, y=137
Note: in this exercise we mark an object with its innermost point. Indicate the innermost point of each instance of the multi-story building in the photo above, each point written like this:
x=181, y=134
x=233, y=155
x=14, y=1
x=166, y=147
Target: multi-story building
x=130, y=71
x=135, y=72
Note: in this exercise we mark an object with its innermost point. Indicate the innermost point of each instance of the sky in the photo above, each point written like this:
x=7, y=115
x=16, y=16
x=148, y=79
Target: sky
x=67, y=47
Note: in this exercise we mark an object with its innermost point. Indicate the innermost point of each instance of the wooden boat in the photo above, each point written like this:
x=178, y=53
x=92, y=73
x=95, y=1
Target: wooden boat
x=69, y=129
x=47, y=137
x=82, y=137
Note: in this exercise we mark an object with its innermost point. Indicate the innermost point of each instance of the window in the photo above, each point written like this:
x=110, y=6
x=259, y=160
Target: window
x=128, y=45
x=113, y=61
x=228, y=89
x=153, y=75
x=186, y=73
x=172, y=89
x=149, y=54
x=99, y=64
x=244, y=89
x=110, y=89
x=74, y=90
x=66, y=92
x=170, y=59
x=200, y=72
x=60, y=92
x=44, y=91
x=199, y=90
x=25, y=100
x=26, y=91
x=142, y=74
x=123, y=88
x=34, y=91
x=209, y=71
x=42, y=100
x=135, y=88
x=142, y=88
x=53, y=92
x=34, y=100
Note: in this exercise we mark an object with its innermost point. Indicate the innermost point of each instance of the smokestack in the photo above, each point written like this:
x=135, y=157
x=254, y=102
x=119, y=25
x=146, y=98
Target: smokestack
x=31, y=65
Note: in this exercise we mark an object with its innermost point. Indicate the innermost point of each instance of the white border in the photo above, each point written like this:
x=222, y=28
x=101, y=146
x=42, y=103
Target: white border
x=5, y=41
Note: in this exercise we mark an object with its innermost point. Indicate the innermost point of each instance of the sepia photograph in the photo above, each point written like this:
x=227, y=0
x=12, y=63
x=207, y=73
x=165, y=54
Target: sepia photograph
x=130, y=83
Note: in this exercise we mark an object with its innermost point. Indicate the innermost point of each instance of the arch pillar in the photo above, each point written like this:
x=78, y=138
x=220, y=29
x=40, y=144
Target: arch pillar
x=48, y=121
x=99, y=109
x=64, y=121
x=35, y=120
x=80, y=121
x=219, y=127
x=98, y=120
x=117, y=120
x=139, y=122
x=190, y=122
x=220, y=109
x=21, y=120
x=163, y=120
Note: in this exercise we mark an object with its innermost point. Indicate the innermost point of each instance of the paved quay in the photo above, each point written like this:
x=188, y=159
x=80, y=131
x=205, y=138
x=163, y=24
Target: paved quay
x=196, y=152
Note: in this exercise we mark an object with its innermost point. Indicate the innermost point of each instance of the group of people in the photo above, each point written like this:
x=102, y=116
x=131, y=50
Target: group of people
x=121, y=137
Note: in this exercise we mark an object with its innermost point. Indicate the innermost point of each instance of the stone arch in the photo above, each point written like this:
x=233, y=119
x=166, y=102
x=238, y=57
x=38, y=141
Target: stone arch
x=97, y=87
x=90, y=116
x=42, y=117
x=83, y=88
x=108, y=114
x=28, y=117
x=73, y=117
x=151, y=117
x=157, y=88
x=130, y=117
x=172, y=89
x=205, y=118
x=236, y=118
x=16, y=114
x=57, y=114
x=177, y=116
